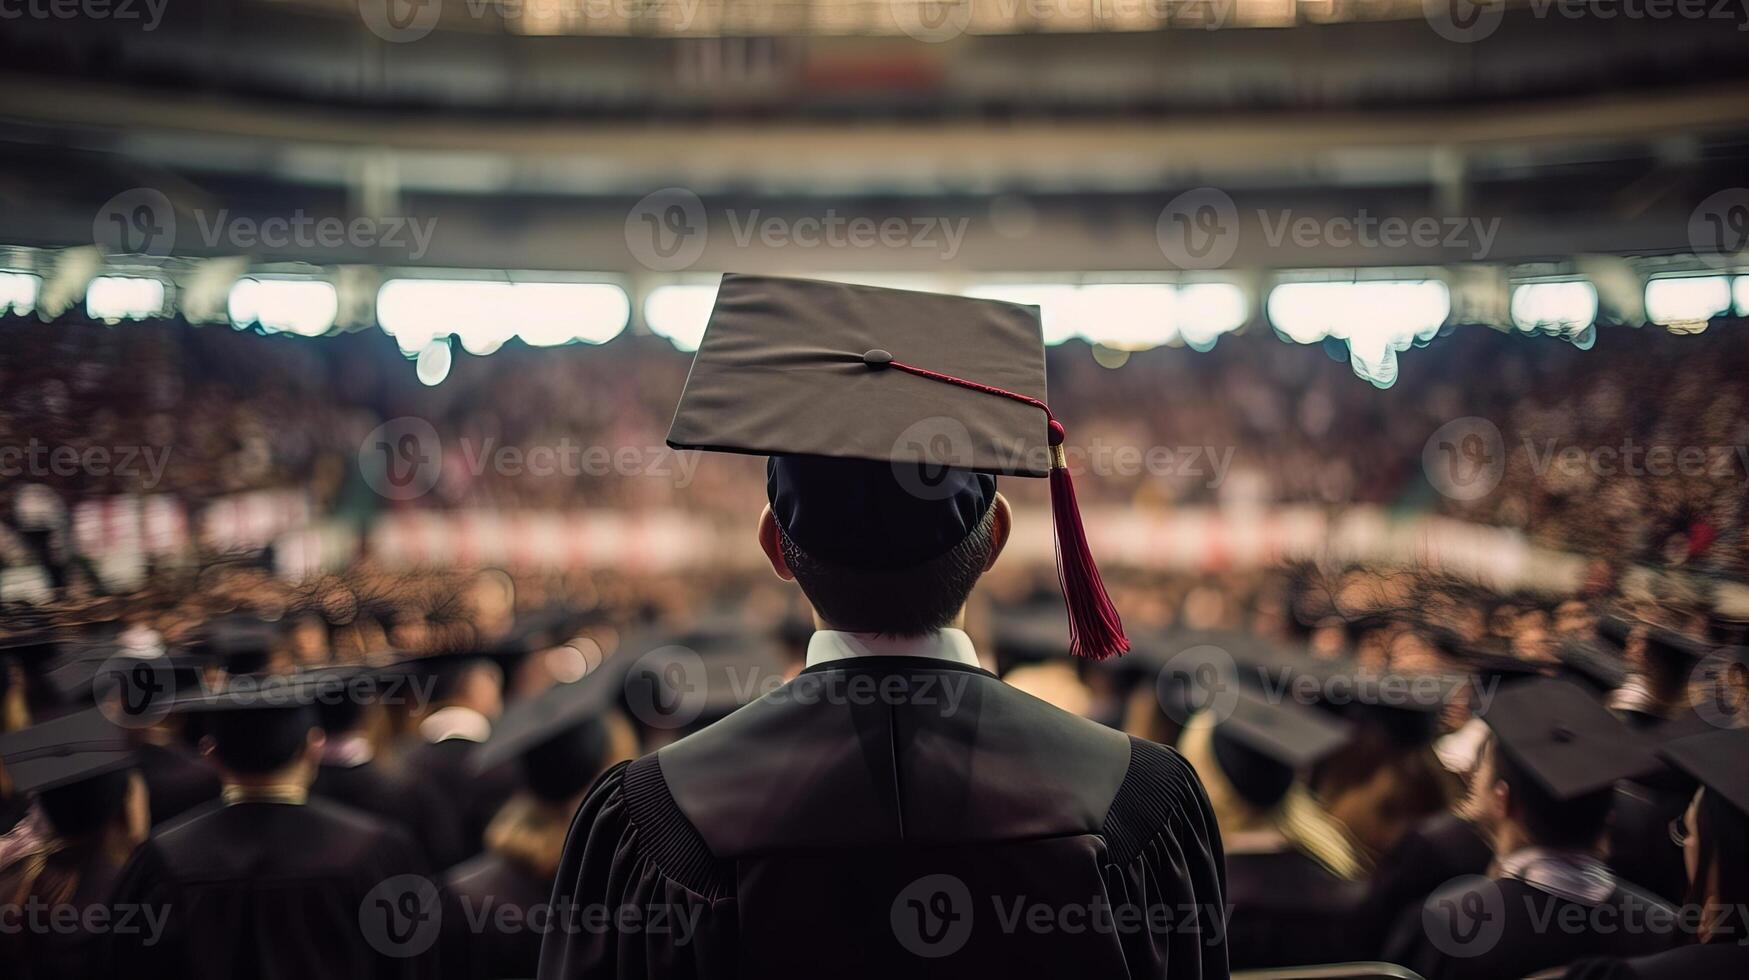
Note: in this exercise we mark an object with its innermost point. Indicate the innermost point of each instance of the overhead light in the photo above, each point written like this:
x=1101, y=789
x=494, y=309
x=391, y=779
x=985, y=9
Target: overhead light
x=1206, y=310
x=116, y=298
x=1056, y=303
x=306, y=307
x=1377, y=319
x=18, y=292
x=1127, y=316
x=483, y=315
x=1687, y=300
x=433, y=363
x=1566, y=307
x=680, y=312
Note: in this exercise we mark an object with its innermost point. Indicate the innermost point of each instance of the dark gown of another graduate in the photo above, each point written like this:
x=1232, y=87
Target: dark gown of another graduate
x=474, y=798
x=481, y=888
x=177, y=781
x=55, y=954
x=1514, y=932
x=417, y=807
x=1715, y=961
x=928, y=820
x=1287, y=910
x=1435, y=851
x=272, y=891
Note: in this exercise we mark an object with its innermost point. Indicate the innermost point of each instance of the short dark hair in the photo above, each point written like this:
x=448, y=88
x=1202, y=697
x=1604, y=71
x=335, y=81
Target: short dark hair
x=258, y=742
x=1573, y=824
x=899, y=602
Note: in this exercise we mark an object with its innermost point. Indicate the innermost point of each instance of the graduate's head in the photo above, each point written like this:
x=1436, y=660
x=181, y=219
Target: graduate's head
x=277, y=742
x=1714, y=831
x=87, y=806
x=1555, y=757
x=882, y=547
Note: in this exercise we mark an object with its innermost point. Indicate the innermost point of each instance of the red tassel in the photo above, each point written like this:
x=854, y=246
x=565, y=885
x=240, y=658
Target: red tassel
x=1095, y=629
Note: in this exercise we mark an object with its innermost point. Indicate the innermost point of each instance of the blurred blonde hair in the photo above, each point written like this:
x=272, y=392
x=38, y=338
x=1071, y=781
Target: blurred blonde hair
x=1298, y=818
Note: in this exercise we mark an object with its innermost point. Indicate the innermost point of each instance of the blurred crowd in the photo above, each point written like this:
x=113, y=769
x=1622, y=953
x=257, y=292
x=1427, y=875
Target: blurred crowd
x=1633, y=451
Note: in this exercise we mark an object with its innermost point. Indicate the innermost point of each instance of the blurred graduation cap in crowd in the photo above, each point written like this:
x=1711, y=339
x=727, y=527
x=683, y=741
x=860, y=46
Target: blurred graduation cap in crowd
x=25, y=658
x=1031, y=634
x=1262, y=744
x=240, y=643
x=260, y=721
x=560, y=737
x=64, y=751
x=1591, y=664
x=1559, y=735
x=686, y=681
x=1673, y=648
x=888, y=415
x=1715, y=759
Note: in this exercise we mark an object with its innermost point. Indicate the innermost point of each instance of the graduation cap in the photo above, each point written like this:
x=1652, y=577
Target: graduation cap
x=887, y=415
x=1602, y=670
x=1674, y=648
x=1715, y=760
x=1032, y=635
x=558, y=736
x=259, y=722
x=33, y=652
x=239, y=642
x=1564, y=740
x=67, y=750
x=1262, y=744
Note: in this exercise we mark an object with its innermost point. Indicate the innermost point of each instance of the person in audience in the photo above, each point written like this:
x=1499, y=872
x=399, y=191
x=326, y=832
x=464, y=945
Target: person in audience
x=80, y=771
x=1713, y=838
x=268, y=882
x=1555, y=755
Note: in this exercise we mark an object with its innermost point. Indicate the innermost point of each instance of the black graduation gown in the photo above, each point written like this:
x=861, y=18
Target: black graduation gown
x=1431, y=854
x=1715, y=961
x=1287, y=910
x=417, y=807
x=177, y=781
x=1518, y=930
x=502, y=902
x=894, y=817
x=65, y=954
x=274, y=891
x=473, y=798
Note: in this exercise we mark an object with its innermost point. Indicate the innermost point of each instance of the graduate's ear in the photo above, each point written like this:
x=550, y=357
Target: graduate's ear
x=771, y=542
x=1001, y=522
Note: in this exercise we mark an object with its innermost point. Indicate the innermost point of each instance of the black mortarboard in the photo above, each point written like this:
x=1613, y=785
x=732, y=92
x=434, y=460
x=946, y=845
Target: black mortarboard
x=1031, y=635
x=1673, y=647
x=34, y=652
x=1591, y=664
x=260, y=721
x=239, y=642
x=1261, y=744
x=558, y=735
x=1716, y=760
x=698, y=677
x=887, y=414
x=64, y=751
x=1559, y=735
